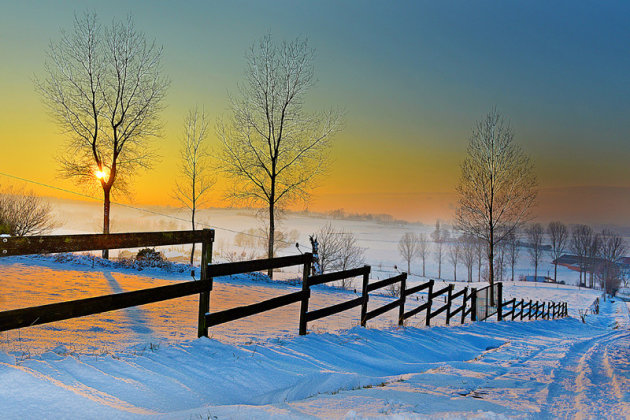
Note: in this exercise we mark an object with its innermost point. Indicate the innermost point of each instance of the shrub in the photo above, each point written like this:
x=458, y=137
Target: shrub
x=24, y=213
x=149, y=255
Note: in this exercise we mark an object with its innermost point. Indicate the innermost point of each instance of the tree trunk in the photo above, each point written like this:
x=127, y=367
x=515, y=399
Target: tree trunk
x=423, y=275
x=491, y=267
x=192, y=252
x=272, y=231
x=555, y=272
x=479, y=267
x=106, y=207
x=408, y=267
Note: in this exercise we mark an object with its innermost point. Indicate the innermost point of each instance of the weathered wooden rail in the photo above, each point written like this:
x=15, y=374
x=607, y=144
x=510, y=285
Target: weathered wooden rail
x=467, y=303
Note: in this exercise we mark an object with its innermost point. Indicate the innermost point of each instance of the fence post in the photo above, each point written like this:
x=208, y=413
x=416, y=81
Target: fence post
x=464, y=298
x=448, y=303
x=204, y=297
x=536, y=314
x=403, y=297
x=306, y=294
x=531, y=303
x=364, y=295
x=500, y=301
x=473, y=304
x=566, y=309
x=429, y=303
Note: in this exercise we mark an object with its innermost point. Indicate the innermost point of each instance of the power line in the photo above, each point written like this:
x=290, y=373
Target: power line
x=138, y=208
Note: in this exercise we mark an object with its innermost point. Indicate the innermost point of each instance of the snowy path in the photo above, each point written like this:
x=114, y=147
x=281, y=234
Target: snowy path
x=593, y=379
x=540, y=369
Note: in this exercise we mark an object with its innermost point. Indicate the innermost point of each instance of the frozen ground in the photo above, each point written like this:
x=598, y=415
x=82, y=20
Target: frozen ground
x=143, y=362
x=30, y=281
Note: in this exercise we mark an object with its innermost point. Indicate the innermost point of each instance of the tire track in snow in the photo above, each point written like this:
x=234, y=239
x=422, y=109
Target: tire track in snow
x=588, y=383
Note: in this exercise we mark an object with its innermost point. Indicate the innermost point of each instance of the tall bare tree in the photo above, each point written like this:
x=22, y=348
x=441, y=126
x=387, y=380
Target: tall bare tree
x=105, y=88
x=559, y=237
x=455, y=255
x=592, y=253
x=194, y=166
x=497, y=187
x=612, y=249
x=469, y=254
x=512, y=247
x=535, y=236
x=273, y=149
x=581, y=239
x=408, y=247
x=500, y=260
x=440, y=236
x=423, y=248
x=23, y=213
x=480, y=249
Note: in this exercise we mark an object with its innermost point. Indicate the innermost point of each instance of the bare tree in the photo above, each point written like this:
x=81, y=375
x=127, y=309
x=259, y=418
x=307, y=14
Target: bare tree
x=351, y=256
x=329, y=247
x=535, y=235
x=581, y=238
x=512, y=250
x=454, y=255
x=439, y=236
x=480, y=250
x=194, y=166
x=469, y=254
x=612, y=249
x=497, y=188
x=23, y=213
x=423, y=248
x=272, y=149
x=282, y=238
x=408, y=248
x=500, y=262
x=559, y=236
x=338, y=250
x=105, y=89
x=613, y=246
x=592, y=252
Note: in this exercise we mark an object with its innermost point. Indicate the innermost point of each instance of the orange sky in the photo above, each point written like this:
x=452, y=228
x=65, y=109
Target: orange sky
x=412, y=80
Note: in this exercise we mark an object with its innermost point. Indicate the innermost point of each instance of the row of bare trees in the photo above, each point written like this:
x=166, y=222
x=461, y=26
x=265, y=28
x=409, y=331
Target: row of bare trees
x=598, y=254
x=465, y=249
x=105, y=87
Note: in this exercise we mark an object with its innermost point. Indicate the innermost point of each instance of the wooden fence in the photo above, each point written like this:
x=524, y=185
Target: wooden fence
x=467, y=303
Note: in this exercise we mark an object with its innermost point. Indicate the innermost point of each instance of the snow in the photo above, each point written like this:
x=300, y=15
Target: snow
x=144, y=363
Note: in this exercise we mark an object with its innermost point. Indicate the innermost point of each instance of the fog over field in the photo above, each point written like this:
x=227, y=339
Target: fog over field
x=378, y=235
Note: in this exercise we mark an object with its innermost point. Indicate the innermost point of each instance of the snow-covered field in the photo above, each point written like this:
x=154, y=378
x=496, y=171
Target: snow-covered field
x=146, y=362
x=260, y=368
x=30, y=281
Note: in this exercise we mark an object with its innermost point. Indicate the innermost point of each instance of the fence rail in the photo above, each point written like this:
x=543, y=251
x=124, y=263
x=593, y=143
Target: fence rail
x=473, y=304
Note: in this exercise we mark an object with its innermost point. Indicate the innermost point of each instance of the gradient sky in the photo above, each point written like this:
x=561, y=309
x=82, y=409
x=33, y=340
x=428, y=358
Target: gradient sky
x=412, y=76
